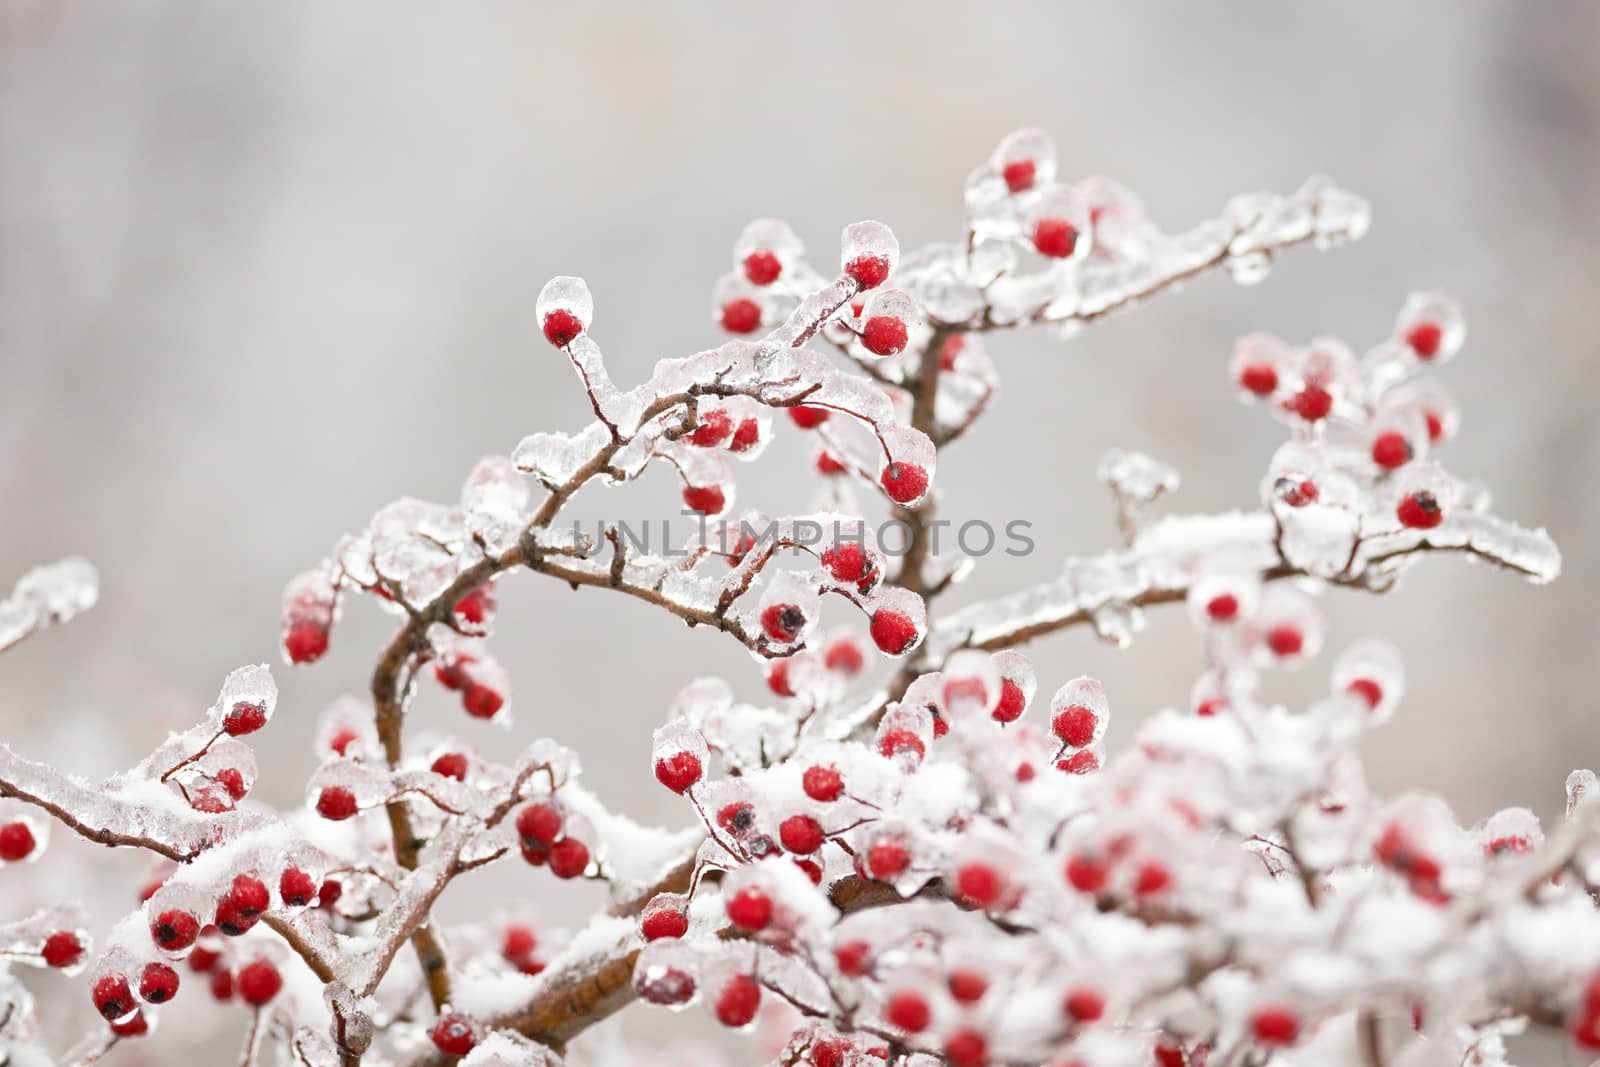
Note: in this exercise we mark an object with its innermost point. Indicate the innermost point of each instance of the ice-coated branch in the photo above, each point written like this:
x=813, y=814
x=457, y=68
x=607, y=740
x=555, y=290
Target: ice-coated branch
x=47, y=596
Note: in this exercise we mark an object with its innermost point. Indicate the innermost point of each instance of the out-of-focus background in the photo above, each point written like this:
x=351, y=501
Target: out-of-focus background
x=265, y=268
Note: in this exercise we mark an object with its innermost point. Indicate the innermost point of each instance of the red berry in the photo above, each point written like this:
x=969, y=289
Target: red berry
x=259, y=981
x=762, y=267
x=136, y=1025
x=1223, y=608
x=233, y=781
x=968, y=987
x=705, y=499
x=452, y=1035
x=908, y=1011
x=843, y=656
x=1586, y=1031
x=1151, y=879
x=829, y=466
x=305, y=642
x=327, y=896
x=713, y=428
x=1075, y=725
x=1208, y=708
x=1425, y=338
x=868, y=270
x=1018, y=175
x=112, y=996
x=966, y=1048
x=749, y=909
x=336, y=802
x=519, y=944
x=1297, y=494
x=1275, y=1025
x=812, y=869
x=854, y=958
x=670, y=988
x=296, y=888
x=1286, y=640
x=738, y=1001
x=904, y=482
x=980, y=885
x=1391, y=450
x=561, y=327
x=892, y=631
x=1085, y=1005
x=737, y=818
x=1312, y=403
x=745, y=436
x=1056, y=238
x=450, y=765
x=221, y=984
x=16, y=841
x=848, y=562
x=1259, y=378
x=1087, y=874
x=1435, y=424
x=158, y=983
x=569, y=858
x=203, y=959
x=900, y=743
x=741, y=315
x=342, y=740
x=1013, y=701
x=801, y=834
x=1168, y=1054
x=244, y=718
x=884, y=335
x=1420, y=511
x=481, y=701
x=951, y=351
x=664, y=923
x=175, y=930
x=778, y=678
x=1081, y=762
x=823, y=783
x=249, y=895
x=1367, y=690
x=679, y=771
x=887, y=858
x=829, y=1052
x=540, y=824
x=232, y=921
x=807, y=417
x=61, y=949
x=452, y=674
x=783, y=622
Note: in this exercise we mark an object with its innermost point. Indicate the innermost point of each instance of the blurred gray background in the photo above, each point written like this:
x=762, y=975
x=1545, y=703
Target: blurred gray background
x=264, y=268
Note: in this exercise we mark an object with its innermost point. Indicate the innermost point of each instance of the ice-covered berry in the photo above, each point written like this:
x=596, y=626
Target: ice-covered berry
x=158, y=983
x=258, y=982
x=453, y=1034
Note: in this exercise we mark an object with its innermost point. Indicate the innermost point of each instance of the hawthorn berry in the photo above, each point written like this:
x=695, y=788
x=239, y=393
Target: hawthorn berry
x=848, y=562
x=1013, y=702
x=296, y=888
x=135, y=1025
x=778, y=678
x=244, y=718
x=539, y=823
x=1056, y=238
x=562, y=327
x=158, y=983
x=306, y=642
x=887, y=858
x=329, y=893
x=853, y=958
x=1151, y=878
x=519, y=943
x=827, y=465
x=221, y=984
x=807, y=417
x=705, y=499
x=1081, y=762
x=762, y=267
x=1075, y=725
x=258, y=982
x=481, y=701
x=112, y=997
x=1223, y=607
x=664, y=923
x=843, y=656
x=475, y=607
x=884, y=335
x=1275, y=1025
x=1297, y=493
x=967, y=987
x=868, y=270
x=231, y=921
x=1019, y=175
x=979, y=885
x=450, y=765
x=1168, y=1053
x=1420, y=511
x=1259, y=378
x=61, y=949
x=823, y=783
x=738, y=1001
x=749, y=909
x=337, y=803
x=669, y=988
x=1084, y=1004
x=232, y=780
x=1424, y=339
x=340, y=742
x=801, y=834
x=16, y=841
x=679, y=771
x=737, y=818
x=741, y=315
x=1390, y=449
x=1367, y=690
x=904, y=482
x=1312, y=403
x=1087, y=874
x=896, y=743
x=966, y=1048
x=892, y=631
x=712, y=428
x=452, y=1035
x=175, y=930
x=745, y=436
x=908, y=1010
x=829, y=1052
x=569, y=858
x=1286, y=640
x=783, y=622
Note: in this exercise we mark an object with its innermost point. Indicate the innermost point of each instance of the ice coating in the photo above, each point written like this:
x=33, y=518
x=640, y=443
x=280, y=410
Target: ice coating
x=47, y=596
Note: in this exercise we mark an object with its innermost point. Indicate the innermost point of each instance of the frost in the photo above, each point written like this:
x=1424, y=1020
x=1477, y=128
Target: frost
x=47, y=596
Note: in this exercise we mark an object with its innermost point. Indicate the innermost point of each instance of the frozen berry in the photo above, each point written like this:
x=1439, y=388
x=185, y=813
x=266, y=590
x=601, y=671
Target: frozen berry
x=450, y=765
x=1056, y=238
x=336, y=802
x=1085, y=1005
x=845, y=657
x=1019, y=175
x=670, y=987
x=904, y=482
x=979, y=885
x=868, y=270
x=1420, y=511
x=884, y=335
x=175, y=930
x=61, y=949
x=848, y=562
x=249, y=895
x=296, y=888
x=738, y=1001
x=341, y=741
x=800, y=834
x=232, y=780
x=539, y=823
x=664, y=923
x=562, y=327
x=452, y=1035
x=908, y=1010
x=1081, y=762
x=778, y=679
x=783, y=622
x=258, y=982
x=807, y=417
x=158, y=983
x=1152, y=878
x=705, y=499
x=853, y=958
x=1087, y=874
x=679, y=771
x=966, y=1048
x=1075, y=725
x=1286, y=640
x=887, y=858
x=829, y=466
x=749, y=909
x=1223, y=608
x=762, y=267
x=1425, y=338
x=745, y=436
x=897, y=743
x=1013, y=701
x=892, y=631
x=1312, y=403
x=244, y=718
x=112, y=996
x=713, y=428
x=1259, y=378
x=16, y=841
x=1275, y=1025
x=741, y=315
x=135, y=1025
x=1391, y=449
x=967, y=987
x=822, y=782
x=1367, y=690
x=569, y=858
x=305, y=642
x=481, y=701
